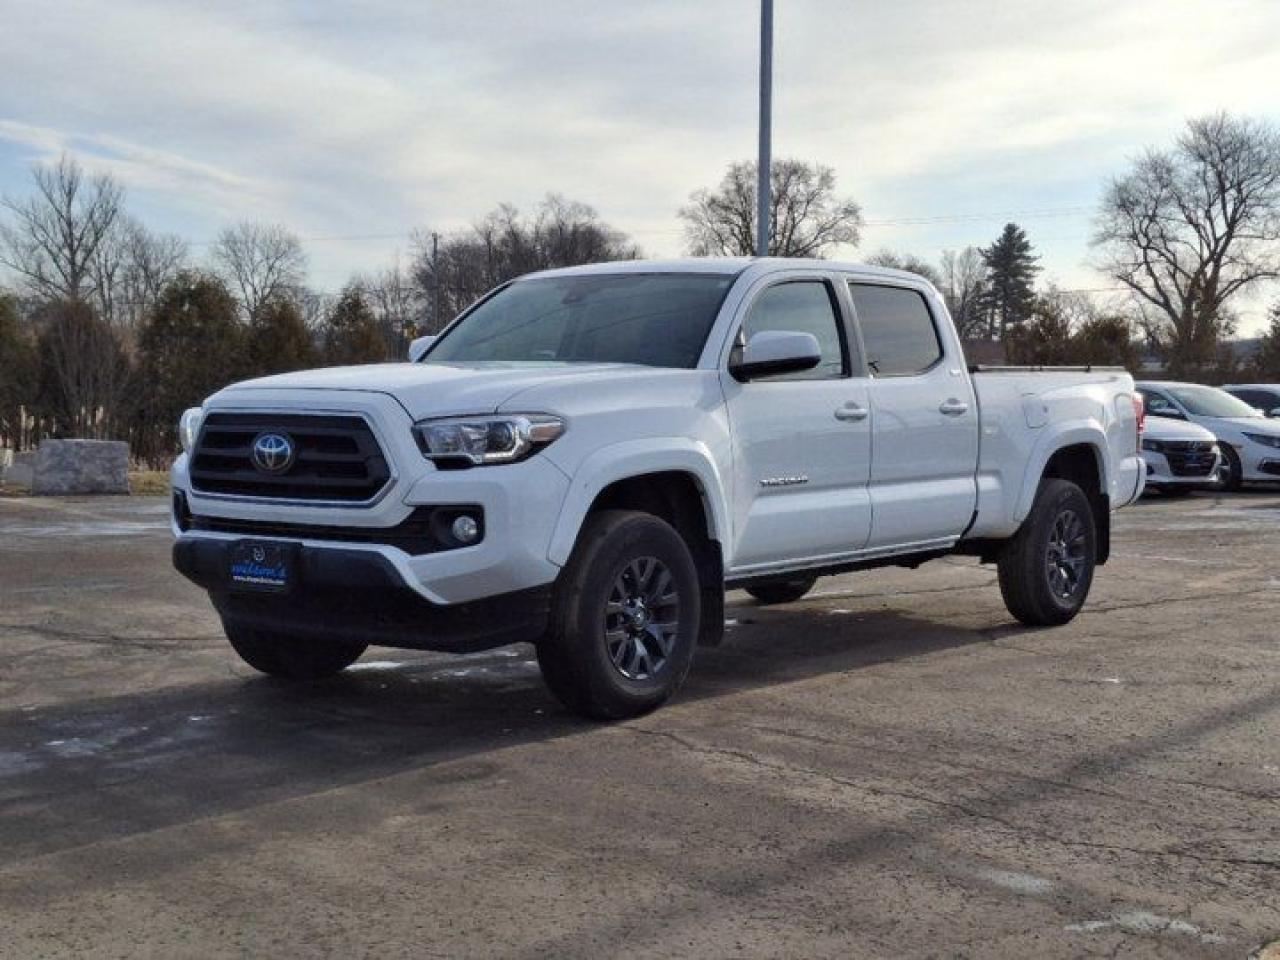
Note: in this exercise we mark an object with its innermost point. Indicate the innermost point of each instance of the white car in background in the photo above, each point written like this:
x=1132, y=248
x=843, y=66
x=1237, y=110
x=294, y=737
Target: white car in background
x=1264, y=396
x=1248, y=441
x=1181, y=457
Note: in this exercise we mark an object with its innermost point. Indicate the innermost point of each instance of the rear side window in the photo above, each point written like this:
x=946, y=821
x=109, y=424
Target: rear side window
x=898, y=332
x=1256, y=398
x=802, y=306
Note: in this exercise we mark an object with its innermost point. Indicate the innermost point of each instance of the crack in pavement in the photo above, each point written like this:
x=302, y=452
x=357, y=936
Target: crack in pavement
x=753, y=759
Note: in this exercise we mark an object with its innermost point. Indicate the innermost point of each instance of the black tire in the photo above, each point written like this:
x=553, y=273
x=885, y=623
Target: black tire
x=289, y=657
x=1233, y=476
x=603, y=653
x=782, y=591
x=1042, y=583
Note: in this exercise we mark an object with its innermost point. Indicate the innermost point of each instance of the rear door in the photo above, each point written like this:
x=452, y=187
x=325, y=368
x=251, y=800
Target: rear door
x=802, y=441
x=924, y=444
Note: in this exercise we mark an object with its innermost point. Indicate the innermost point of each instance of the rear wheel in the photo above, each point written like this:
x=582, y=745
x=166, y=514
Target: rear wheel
x=290, y=657
x=1047, y=568
x=624, y=619
x=782, y=591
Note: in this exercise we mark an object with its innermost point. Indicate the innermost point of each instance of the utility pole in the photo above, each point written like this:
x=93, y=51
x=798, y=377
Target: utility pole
x=435, y=282
x=764, y=161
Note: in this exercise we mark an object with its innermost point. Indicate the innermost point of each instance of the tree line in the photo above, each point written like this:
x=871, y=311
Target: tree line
x=110, y=329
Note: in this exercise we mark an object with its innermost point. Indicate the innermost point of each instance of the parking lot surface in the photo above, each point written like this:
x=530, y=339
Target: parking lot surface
x=888, y=768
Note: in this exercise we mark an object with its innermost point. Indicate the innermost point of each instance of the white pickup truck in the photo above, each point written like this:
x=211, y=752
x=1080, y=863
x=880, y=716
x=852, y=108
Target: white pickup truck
x=588, y=457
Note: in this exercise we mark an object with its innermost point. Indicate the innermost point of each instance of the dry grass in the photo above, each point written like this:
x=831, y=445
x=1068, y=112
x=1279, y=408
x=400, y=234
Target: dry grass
x=149, y=483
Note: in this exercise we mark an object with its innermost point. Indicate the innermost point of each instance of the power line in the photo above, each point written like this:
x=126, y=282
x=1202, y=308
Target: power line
x=972, y=217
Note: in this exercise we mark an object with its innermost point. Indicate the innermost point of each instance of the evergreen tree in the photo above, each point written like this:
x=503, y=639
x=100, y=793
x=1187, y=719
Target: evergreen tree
x=351, y=332
x=1011, y=269
x=1267, y=363
x=279, y=340
x=19, y=370
x=191, y=345
x=1044, y=338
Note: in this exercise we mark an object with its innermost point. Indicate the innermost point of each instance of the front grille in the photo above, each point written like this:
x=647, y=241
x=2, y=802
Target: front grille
x=338, y=458
x=1190, y=458
x=425, y=530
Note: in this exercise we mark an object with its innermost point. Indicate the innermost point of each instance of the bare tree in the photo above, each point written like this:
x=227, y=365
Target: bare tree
x=963, y=287
x=1188, y=228
x=506, y=244
x=51, y=239
x=397, y=303
x=131, y=267
x=260, y=261
x=908, y=262
x=806, y=218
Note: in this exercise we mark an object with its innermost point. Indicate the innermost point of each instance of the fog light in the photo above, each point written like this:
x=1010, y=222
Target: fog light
x=465, y=529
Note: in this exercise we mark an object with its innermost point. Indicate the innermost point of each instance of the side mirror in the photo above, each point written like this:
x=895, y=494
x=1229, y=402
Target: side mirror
x=418, y=348
x=1275, y=413
x=771, y=352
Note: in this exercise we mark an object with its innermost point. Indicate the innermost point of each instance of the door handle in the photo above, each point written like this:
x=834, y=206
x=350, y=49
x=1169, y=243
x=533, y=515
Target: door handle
x=851, y=411
x=954, y=407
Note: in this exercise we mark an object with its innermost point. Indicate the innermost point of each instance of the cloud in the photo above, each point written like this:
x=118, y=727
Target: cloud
x=376, y=118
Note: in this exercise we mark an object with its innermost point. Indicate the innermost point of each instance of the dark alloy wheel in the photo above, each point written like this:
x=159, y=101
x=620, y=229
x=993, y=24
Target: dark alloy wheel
x=289, y=657
x=641, y=618
x=1046, y=569
x=781, y=591
x=624, y=618
x=1065, y=556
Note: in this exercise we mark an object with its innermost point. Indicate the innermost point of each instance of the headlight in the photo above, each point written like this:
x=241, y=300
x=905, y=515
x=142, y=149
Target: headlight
x=1155, y=446
x=189, y=427
x=475, y=441
x=1263, y=439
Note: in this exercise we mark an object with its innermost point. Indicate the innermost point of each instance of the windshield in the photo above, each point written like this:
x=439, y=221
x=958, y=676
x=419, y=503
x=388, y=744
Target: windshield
x=656, y=319
x=1212, y=402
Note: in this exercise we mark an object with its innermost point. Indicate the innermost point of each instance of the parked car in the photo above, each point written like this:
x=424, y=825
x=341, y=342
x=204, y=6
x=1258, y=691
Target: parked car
x=1181, y=457
x=1248, y=441
x=588, y=457
x=1264, y=396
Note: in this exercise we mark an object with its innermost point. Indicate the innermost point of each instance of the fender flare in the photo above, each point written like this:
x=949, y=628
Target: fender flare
x=1072, y=433
x=633, y=458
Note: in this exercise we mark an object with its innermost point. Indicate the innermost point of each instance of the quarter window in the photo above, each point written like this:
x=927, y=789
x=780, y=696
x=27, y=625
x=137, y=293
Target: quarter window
x=802, y=306
x=898, y=332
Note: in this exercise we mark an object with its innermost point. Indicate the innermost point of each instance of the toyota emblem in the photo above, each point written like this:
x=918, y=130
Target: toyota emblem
x=273, y=452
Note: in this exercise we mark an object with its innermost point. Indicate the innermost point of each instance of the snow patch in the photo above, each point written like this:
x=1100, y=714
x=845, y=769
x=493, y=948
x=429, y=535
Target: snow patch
x=1144, y=923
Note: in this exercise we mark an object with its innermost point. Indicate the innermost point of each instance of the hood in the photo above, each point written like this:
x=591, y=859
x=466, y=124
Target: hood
x=1166, y=428
x=439, y=389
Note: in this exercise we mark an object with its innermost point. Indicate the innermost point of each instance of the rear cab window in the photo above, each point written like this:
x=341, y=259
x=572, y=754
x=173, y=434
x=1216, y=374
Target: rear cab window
x=899, y=334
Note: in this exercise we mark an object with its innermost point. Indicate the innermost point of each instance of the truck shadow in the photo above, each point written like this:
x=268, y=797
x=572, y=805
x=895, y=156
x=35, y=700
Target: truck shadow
x=78, y=773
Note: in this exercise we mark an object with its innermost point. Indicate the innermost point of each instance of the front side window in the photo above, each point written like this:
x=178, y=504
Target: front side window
x=897, y=330
x=655, y=319
x=801, y=306
x=1158, y=405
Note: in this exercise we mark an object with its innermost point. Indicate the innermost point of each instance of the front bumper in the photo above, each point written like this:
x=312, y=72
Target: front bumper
x=346, y=594
x=520, y=504
x=1161, y=474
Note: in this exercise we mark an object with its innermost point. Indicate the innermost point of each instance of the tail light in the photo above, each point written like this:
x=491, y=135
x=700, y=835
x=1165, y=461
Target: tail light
x=1140, y=415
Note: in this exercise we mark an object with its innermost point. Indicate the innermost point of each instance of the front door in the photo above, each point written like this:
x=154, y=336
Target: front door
x=802, y=441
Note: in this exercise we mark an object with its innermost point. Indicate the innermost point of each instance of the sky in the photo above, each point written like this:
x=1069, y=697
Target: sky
x=357, y=123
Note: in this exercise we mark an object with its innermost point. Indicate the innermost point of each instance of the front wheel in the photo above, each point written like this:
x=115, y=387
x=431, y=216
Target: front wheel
x=1047, y=568
x=624, y=619
x=290, y=657
x=1232, y=469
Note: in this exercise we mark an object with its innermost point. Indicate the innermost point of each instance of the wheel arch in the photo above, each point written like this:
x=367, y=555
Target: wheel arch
x=679, y=483
x=1080, y=459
